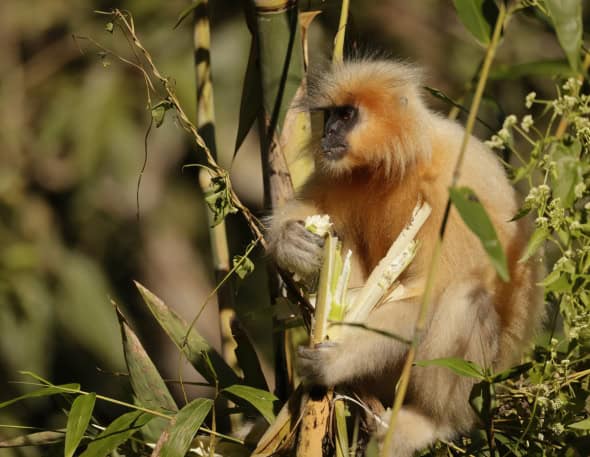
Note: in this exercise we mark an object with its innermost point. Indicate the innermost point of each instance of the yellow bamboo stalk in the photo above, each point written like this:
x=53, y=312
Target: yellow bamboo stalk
x=425, y=303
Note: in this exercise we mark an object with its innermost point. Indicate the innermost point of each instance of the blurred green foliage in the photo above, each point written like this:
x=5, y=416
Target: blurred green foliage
x=72, y=129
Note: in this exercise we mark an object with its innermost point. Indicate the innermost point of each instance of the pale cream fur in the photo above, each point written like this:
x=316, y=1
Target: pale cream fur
x=398, y=153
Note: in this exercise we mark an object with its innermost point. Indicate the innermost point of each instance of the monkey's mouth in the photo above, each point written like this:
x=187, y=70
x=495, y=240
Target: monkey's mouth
x=333, y=151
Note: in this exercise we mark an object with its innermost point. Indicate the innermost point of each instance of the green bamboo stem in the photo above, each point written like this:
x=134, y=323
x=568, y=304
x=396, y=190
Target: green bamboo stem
x=425, y=303
x=338, y=55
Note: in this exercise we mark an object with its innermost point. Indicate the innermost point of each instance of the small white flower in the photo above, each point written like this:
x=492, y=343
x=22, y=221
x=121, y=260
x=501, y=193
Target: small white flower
x=509, y=121
x=318, y=224
x=527, y=122
x=571, y=85
x=504, y=134
x=530, y=99
x=579, y=190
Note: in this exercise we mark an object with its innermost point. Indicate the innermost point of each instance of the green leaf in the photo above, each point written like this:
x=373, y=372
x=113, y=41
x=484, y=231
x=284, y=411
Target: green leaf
x=149, y=388
x=511, y=373
x=481, y=400
x=581, y=425
x=177, y=441
x=537, y=239
x=78, y=420
x=251, y=101
x=478, y=16
x=34, y=439
x=218, y=199
x=459, y=366
x=568, y=172
x=43, y=392
x=557, y=281
x=475, y=217
x=159, y=112
x=549, y=68
x=247, y=357
x=118, y=431
x=109, y=27
x=196, y=349
x=243, y=265
x=566, y=16
x=260, y=399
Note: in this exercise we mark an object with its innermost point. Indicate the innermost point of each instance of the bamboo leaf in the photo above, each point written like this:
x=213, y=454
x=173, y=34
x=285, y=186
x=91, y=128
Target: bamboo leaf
x=149, y=388
x=182, y=430
x=196, y=349
x=247, y=357
x=43, y=392
x=251, y=101
x=78, y=420
x=260, y=399
x=566, y=16
x=512, y=373
x=478, y=16
x=118, y=431
x=459, y=366
x=476, y=218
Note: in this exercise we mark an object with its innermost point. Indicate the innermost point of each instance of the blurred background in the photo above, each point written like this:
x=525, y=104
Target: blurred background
x=72, y=128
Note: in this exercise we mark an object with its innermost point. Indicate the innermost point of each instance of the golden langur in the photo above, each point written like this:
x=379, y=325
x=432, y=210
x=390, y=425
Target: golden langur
x=381, y=151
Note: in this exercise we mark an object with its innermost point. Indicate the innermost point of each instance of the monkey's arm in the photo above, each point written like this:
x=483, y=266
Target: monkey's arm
x=360, y=352
x=293, y=247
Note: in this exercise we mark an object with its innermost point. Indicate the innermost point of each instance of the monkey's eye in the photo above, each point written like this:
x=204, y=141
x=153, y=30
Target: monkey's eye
x=346, y=113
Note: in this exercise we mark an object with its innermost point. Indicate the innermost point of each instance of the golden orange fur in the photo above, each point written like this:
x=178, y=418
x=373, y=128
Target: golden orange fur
x=399, y=152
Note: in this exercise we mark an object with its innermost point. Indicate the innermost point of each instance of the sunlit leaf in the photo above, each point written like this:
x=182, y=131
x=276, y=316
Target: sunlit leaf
x=177, y=440
x=149, y=388
x=536, y=240
x=78, y=420
x=581, y=425
x=197, y=350
x=478, y=16
x=566, y=16
x=260, y=399
x=109, y=27
x=476, y=218
x=117, y=432
x=459, y=366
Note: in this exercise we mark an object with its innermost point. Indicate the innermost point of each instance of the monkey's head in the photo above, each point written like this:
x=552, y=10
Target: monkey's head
x=373, y=117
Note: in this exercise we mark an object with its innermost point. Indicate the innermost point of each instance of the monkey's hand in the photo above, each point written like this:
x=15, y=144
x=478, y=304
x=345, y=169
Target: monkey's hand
x=296, y=249
x=314, y=364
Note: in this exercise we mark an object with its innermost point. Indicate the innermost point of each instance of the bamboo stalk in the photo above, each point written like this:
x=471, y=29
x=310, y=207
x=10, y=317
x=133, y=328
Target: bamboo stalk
x=400, y=394
x=217, y=233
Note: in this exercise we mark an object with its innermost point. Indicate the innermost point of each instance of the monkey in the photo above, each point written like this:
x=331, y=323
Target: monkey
x=381, y=150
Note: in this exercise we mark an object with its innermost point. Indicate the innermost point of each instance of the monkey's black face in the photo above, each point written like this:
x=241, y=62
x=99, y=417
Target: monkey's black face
x=338, y=122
